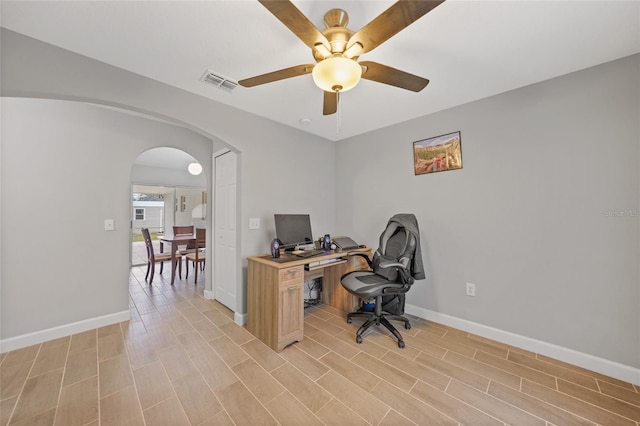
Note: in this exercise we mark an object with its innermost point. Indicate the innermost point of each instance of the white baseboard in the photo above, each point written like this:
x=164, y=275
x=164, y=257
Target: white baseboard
x=590, y=362
x=37, y=337
x=240, y=319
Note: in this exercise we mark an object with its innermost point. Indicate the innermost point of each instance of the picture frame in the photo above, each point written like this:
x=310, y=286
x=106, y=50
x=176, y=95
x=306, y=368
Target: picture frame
x=437, y=154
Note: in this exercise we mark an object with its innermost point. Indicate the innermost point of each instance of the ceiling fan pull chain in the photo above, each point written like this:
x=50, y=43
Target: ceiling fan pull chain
x=339, y=115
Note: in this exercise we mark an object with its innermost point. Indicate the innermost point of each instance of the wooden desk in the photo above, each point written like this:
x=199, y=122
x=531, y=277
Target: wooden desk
x=275, y=293
x=175, y=240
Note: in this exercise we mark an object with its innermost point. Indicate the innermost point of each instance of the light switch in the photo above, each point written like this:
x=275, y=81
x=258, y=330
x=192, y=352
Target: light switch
x=254, y=223
x=108, y=225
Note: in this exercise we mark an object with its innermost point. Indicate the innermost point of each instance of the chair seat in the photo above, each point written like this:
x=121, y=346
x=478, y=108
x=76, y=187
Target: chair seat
x=201, y=256
x=367, y=284
x=161, y=257
x=188, y=251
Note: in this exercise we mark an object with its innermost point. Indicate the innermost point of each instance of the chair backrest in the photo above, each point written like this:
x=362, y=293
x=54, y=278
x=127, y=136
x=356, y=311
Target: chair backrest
x=201, y=238
x=397, y=245
x=148, y=243
x=182, y=230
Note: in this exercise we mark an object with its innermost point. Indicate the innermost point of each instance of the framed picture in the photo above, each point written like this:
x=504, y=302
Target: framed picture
x=437, y=154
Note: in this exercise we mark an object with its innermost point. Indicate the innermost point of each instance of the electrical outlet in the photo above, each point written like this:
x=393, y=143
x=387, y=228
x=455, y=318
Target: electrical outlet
x=254, y=223
x=471, y=289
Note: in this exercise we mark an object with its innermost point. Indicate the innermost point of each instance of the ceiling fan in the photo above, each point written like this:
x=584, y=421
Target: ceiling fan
x=337, y=48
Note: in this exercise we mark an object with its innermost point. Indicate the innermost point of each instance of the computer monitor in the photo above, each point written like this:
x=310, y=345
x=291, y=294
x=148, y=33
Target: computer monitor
x=293, y=230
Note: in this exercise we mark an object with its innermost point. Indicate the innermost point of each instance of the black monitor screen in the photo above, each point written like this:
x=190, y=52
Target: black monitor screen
x=293, y=229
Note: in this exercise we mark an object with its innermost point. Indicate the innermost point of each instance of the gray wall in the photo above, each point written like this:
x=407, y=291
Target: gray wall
x=193, y=197
x=528, y=219
x=531, y=218
x=162, y=176
x=59, y=265
x=262, y=146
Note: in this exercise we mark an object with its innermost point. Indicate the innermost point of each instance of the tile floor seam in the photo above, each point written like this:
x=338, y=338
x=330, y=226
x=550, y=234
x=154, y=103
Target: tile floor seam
x=598, y=406
x=133, y=379
x=212, y=390
x=520, y=408
x=467, y=404
x=187, y=302
x=19, y=396
x=64, y=370
x=556, y=404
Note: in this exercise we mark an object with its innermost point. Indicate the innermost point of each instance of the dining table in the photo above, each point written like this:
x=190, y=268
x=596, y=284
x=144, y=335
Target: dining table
x=175, y=241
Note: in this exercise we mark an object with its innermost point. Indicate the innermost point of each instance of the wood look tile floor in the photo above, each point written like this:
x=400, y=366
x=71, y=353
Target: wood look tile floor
x=181, y=360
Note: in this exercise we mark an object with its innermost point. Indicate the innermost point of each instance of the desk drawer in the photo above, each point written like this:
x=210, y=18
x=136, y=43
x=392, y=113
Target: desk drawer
x=292, y=274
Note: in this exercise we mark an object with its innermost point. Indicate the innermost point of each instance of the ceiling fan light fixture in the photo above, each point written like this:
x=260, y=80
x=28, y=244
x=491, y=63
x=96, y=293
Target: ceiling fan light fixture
x=337, y=74
x=356, y=49
x=322, y=50
x=194, y=168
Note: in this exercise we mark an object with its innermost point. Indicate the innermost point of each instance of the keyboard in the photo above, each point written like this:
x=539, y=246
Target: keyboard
x=311, y=253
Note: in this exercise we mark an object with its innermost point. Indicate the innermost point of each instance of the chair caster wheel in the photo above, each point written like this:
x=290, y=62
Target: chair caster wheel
x=401, y=344
x=407, y=326
x=349, y=320
x=358, y=339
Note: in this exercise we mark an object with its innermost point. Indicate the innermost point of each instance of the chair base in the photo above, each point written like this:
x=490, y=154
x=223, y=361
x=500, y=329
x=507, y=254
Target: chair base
x=382, y=319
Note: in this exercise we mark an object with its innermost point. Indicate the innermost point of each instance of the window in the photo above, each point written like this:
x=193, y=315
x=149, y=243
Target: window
x=138, y=214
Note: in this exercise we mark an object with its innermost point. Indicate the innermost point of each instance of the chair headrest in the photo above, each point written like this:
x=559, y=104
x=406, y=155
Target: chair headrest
x=396, y=242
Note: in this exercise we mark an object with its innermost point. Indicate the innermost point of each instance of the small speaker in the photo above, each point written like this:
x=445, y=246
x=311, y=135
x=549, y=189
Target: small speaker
x=275, y=248
x=326, y=244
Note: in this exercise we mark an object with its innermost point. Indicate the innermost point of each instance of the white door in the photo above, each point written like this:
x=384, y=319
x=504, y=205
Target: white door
x=224, y=277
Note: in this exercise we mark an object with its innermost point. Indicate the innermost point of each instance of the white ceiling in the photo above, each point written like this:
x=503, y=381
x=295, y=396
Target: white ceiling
x=468, y=49
x=168, y=158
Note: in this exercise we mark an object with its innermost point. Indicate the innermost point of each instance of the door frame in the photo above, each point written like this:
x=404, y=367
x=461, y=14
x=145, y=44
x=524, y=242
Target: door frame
x=239, y=318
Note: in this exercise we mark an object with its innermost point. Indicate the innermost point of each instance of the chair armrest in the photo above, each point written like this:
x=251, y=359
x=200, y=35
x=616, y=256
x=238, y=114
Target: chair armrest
x=392, y=264
x=402, y=269
x=363, y=255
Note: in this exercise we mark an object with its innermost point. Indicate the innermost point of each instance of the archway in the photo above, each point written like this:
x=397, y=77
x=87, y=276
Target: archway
x=165, y=193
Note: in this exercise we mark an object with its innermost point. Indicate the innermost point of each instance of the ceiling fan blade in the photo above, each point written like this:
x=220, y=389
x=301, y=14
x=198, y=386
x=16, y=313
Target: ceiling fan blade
x=277, y=75
x=292, y=18
x=384, y=74
x=390, y=22
x=330, y=105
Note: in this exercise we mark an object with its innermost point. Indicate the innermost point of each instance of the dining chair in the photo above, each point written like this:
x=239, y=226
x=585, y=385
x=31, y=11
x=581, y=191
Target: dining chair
x=198, y=256
x=152, y=257
x=183, y=230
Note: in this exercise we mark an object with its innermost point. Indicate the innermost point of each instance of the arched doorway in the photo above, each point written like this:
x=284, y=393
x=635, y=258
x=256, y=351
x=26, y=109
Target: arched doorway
x=165, y=192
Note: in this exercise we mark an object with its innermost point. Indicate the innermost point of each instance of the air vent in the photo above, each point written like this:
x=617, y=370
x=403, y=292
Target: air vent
x=220, y=81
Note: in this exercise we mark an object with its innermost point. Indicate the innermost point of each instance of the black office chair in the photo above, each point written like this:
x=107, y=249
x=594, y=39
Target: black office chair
x=395, y=266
